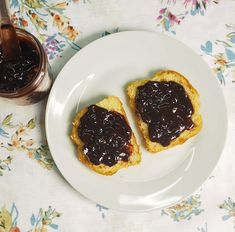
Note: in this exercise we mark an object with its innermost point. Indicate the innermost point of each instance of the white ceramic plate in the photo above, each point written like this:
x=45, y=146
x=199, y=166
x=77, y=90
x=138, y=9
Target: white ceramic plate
x=104, y=68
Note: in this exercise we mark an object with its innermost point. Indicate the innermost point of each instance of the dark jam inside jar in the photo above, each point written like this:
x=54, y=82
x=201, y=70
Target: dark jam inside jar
x=17, y=74
x=166, y=108
x=106, y=136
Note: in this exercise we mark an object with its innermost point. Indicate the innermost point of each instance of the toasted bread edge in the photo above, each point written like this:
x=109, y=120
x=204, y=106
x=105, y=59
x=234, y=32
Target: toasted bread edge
x=110, y=103
x=168, y=75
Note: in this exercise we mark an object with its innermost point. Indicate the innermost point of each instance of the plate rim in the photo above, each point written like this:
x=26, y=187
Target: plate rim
x=60, y=75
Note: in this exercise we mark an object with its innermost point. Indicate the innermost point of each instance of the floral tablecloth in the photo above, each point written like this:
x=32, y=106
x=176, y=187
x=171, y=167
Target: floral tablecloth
x=33, y=194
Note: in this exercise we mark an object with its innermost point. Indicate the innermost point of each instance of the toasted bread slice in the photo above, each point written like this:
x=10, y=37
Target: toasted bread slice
x=110, y=103
x=167, y=75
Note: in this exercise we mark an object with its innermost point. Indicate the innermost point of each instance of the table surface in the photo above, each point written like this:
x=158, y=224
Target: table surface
x=33, y=194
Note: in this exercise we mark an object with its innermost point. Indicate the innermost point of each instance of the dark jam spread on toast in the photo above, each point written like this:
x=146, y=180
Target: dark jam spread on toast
x=166, y=108
x=106, y=136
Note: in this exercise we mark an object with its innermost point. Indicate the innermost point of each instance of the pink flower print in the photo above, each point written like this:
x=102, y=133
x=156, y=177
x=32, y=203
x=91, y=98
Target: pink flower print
x=173, y=19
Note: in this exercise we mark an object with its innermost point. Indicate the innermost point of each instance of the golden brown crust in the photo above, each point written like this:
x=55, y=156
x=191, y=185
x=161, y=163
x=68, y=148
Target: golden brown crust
x=110, y=103
x=168, y=75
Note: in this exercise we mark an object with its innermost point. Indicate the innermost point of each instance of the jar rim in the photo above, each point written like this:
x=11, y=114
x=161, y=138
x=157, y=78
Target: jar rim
x=32, y=85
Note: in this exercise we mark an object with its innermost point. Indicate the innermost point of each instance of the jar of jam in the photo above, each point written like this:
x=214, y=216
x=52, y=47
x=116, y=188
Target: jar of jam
x=28, y=80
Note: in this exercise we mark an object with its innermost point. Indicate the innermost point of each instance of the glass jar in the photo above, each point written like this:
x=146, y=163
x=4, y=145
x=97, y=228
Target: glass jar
x=40, y=84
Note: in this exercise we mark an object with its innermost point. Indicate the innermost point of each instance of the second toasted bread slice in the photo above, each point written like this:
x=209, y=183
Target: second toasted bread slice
x=166, y=76
x=112, y=104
